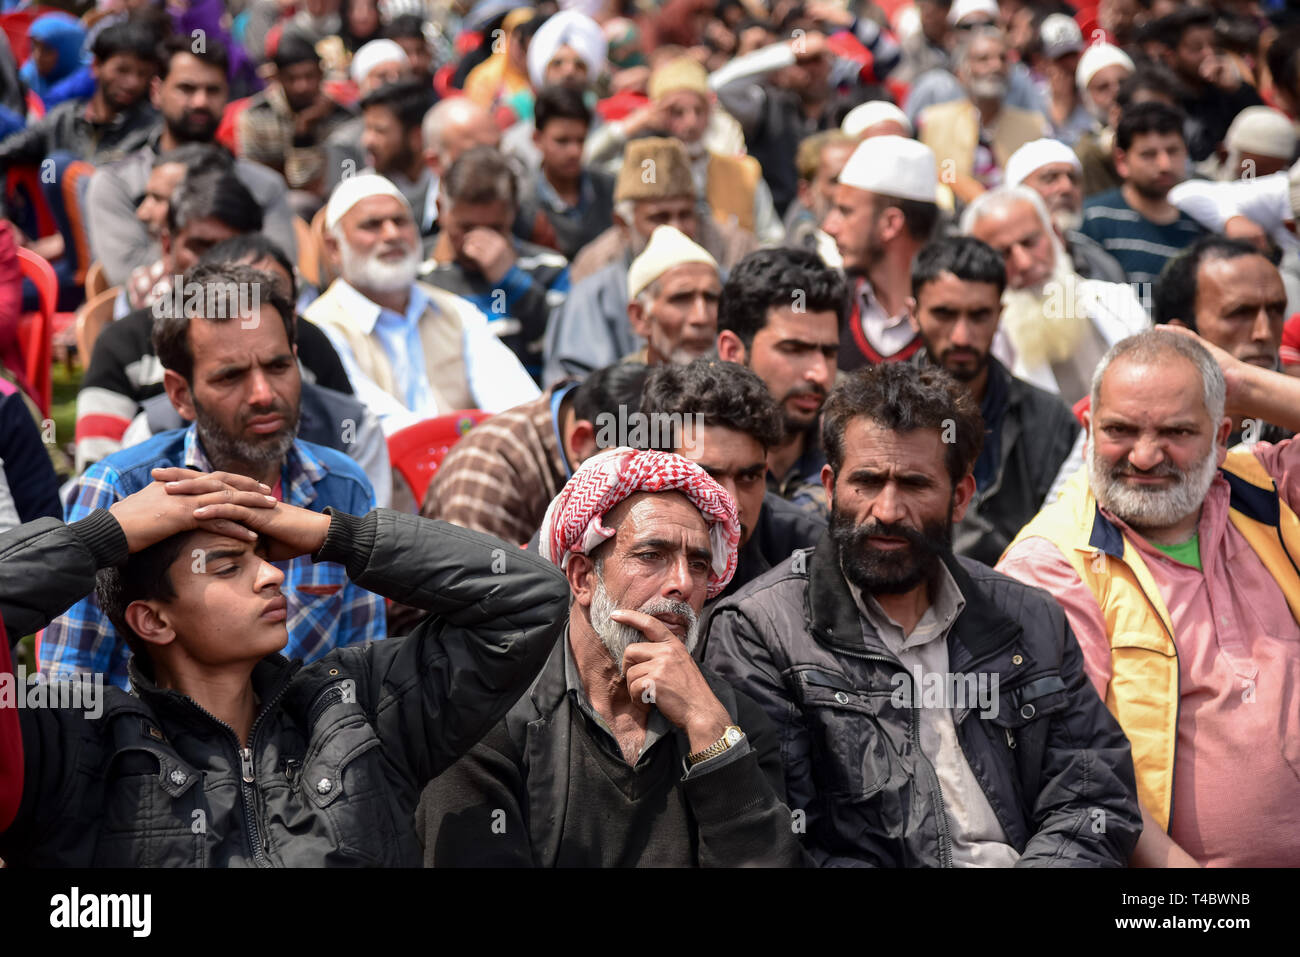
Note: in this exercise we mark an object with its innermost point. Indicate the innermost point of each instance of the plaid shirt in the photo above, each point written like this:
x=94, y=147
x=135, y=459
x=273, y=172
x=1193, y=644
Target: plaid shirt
x=266, y=136
x=326, y=610
x=502, y=475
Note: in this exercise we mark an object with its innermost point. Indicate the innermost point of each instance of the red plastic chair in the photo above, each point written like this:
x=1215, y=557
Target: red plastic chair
x=417, y=450
x=36, y=330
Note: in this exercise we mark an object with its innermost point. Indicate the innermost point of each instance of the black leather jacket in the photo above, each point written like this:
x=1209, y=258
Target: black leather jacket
x=340, y=749
x=1053, y=763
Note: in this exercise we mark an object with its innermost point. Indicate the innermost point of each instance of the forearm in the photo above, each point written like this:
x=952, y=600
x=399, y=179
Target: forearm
x=742, y=821
x=46, y=567
x=1269, y=396
x=1155, y=848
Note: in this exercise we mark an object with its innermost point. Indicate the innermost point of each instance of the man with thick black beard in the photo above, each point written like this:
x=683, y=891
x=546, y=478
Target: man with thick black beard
x=933, y=712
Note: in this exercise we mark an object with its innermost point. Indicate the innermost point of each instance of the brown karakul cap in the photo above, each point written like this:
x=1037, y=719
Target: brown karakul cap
x=654, y=167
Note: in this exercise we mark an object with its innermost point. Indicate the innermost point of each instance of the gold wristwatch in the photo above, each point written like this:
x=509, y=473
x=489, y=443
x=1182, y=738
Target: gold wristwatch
x=731, y=736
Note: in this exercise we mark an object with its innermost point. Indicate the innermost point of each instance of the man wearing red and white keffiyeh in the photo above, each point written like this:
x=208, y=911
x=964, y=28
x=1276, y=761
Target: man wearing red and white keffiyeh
x=635, y=754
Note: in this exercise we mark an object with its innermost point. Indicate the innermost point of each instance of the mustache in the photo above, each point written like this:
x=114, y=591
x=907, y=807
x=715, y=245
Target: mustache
x=918, y=539
x=810, y=389
x=1163, y=470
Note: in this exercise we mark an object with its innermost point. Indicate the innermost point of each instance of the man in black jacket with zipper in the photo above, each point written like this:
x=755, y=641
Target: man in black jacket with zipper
x=228, y=754
x=932, y=712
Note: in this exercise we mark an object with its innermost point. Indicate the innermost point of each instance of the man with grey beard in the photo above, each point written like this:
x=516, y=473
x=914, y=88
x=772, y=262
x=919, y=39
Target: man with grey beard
x=973, y=137
x=625, y=751
x=411, y=351
x=1056, y=325
x=1174, y=558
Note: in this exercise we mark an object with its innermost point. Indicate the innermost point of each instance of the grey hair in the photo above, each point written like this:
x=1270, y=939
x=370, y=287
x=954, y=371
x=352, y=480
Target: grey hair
x=1156, y=345
x=962, y=47
x=998, y=200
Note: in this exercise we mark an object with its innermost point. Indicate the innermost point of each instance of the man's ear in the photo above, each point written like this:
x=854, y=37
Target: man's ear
x=636, y=318
x=892, y=224
x=828, y=483
x=730, y=348
x=1221, y=439
x=581, y=441
x=431, y=160
x=155, y=92
x=961, y=496
x=1177, y=322
x=1121, y=163
x=581, y=573
x=910, y=303
x=151, y=621
x=178, y=390
x=330, y=244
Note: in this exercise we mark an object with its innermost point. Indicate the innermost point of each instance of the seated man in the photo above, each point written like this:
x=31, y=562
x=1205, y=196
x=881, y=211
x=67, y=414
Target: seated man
x=1053, y=171
x=285, y=125
x=781, y=315
x=191, y=94
x=115, y=120
x=450, y=128
x=1174, y=559
x=566, y=204
x=1137, y=223
x=153, y=280
x=228, y=754
x=500, y=478
x=932, y=712
x=211, y=206
x=238, y=382
x=329, y=415
x=1055, y=325
x=637, y=755
x=957, y=287
x=590, y=330
x=514, y=283
x=411, y=351
x=393, y=139
x=1228, y=293
x=721, y=417
x=672, y=299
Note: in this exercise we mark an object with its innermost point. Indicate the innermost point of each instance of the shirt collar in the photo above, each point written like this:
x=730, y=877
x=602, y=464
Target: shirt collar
x=656, y=725
x=364, y=313
x=946, y=603
x=547, y=194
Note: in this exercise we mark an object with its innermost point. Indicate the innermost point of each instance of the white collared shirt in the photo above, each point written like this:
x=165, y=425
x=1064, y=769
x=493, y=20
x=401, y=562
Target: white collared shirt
x=496, y=379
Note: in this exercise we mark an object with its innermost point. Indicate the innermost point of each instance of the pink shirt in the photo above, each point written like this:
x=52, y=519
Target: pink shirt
x=1237, y=766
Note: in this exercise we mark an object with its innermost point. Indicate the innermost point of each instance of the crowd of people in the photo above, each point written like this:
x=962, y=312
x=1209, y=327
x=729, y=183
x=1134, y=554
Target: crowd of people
x=873, y=433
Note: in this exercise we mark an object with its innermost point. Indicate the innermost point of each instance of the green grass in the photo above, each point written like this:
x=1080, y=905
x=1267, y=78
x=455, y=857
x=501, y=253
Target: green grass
x=64, y=408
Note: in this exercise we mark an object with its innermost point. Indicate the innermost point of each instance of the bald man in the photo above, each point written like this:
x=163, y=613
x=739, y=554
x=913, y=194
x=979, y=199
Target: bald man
x=450, y=128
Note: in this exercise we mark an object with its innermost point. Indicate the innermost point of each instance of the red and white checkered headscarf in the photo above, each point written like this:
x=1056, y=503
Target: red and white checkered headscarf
x=574, y=520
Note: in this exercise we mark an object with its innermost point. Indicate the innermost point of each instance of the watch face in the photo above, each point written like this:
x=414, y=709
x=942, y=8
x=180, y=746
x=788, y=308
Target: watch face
x=733, y=736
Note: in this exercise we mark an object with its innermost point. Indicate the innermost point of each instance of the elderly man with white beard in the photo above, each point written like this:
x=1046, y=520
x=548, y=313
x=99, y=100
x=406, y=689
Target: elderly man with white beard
x=411, y=351
x=1174, y=558
x=1053, y=171
x=625, y=751
x=1056, y=325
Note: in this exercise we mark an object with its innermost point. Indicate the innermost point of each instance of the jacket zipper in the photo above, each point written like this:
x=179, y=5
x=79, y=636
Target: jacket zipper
x=247, y=778
x=945, y=838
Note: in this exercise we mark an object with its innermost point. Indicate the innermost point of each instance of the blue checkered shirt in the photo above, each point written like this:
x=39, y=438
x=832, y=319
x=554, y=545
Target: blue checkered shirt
x=325, y=610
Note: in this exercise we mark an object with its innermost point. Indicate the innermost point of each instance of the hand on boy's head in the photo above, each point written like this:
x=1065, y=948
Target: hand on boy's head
x=286, y=530
x=167, y=506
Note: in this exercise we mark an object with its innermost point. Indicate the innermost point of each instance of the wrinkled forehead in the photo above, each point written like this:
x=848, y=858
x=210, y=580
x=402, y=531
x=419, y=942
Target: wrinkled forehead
x=1151, y=390
x=647, y=516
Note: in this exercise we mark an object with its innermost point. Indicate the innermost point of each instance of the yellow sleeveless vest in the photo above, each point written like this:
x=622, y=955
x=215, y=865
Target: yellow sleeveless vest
x=1143, y=691
x=732, y=182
